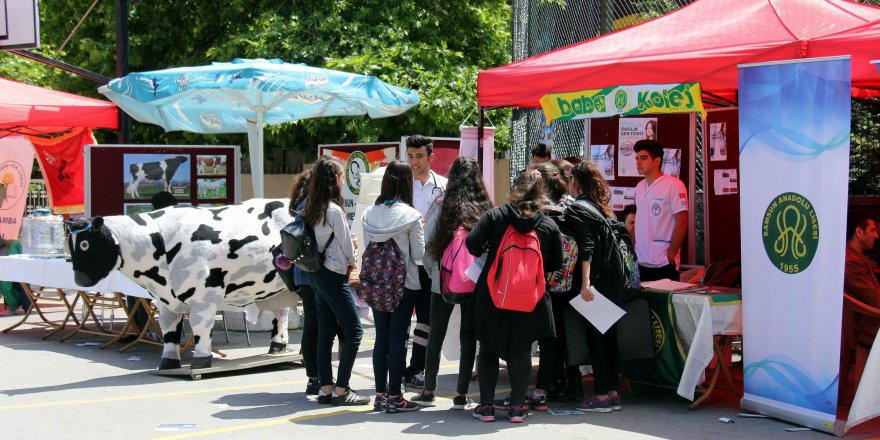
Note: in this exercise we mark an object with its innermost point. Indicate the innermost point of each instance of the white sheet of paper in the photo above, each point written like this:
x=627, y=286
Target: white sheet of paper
x=474, y=270
x=601, y=312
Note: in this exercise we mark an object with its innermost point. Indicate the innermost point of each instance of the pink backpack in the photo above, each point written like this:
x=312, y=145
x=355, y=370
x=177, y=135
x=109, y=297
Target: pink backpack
x=455, y=286
x=516, y=279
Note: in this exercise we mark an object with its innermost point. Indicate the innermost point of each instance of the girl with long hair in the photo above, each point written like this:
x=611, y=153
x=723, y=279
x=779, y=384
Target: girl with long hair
x=462, y=204
x=585, y=215
x=394, y=218
x=504, y=333
x=334, y=298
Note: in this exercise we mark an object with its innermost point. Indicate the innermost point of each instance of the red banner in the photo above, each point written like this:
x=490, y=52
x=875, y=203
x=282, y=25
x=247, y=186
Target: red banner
x=61, y=161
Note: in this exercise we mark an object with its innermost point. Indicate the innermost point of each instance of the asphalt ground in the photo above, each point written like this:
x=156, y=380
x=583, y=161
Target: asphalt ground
x=52, y=390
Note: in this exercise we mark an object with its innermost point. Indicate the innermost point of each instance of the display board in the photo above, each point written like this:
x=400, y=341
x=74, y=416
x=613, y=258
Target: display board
x=121, y=179
x=721, y=135
x=611, y=148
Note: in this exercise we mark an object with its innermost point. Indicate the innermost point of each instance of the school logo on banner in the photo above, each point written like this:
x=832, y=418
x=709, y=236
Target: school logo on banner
x=357, y=164
x=791, y=232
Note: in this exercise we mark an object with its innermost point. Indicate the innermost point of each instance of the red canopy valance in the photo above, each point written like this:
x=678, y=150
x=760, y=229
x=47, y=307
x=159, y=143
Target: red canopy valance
x=34, y=110
x=702, y=42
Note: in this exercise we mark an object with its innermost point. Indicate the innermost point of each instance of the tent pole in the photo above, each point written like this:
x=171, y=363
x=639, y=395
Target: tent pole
x=258, y=173
x=122, y=63
x=480, y=125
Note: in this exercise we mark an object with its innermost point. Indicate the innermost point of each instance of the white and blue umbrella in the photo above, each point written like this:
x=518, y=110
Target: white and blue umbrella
x=245, y=94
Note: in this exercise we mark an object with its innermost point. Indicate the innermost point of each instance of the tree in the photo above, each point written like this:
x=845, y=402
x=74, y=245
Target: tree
x=436, y=48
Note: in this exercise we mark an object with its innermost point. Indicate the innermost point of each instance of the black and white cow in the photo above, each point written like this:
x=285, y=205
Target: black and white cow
x=191, y=259
x=162, y=170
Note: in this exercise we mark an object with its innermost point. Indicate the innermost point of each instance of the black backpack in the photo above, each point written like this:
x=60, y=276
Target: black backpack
x=299, y=245
x=613, y=269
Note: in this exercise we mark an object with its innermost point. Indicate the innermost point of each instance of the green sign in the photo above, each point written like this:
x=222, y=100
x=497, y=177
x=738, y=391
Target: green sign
x=791, y=232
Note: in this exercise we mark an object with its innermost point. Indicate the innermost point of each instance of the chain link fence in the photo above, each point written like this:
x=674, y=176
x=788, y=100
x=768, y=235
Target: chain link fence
x=542, y=25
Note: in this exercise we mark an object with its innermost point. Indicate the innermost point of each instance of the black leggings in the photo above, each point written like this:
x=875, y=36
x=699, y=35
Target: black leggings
x=440, y=313
x=519, y=367
x=553, y=351
x=606, y=359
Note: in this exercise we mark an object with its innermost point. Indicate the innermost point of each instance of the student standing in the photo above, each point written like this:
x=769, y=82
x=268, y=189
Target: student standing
x=427, y=186
x=661, y=215
x=394, y=218
x=585, y=217
x=334, y=298
x=504, y=333
x=463, y=203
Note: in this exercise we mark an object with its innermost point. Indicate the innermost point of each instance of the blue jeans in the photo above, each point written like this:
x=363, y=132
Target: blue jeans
x=335, y=303
x=389, y=353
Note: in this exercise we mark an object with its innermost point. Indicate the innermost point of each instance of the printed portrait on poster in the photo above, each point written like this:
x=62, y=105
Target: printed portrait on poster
x=631, y=131
x=718, y=141
x=671, y=162
x=603, y=157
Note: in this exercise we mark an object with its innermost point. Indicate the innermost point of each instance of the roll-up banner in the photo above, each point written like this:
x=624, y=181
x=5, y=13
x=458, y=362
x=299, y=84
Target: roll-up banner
x=794, y=164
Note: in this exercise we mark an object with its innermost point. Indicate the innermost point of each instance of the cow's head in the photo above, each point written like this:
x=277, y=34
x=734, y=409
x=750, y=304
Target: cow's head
x=94, y=250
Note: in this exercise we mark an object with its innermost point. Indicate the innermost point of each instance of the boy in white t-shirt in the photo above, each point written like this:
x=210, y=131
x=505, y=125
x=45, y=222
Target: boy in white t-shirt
x=661, y=215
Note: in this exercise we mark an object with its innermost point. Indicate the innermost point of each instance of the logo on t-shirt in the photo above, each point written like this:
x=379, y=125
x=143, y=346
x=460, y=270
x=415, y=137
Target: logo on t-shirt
x=655, y=209
x=791, y=232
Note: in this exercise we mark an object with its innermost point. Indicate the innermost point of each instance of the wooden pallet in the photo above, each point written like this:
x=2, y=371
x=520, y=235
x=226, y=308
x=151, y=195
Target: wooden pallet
x=227, y=365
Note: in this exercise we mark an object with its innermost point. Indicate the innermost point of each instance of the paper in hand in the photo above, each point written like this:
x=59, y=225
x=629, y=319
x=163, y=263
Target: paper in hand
x=601, y=312
x=474, y=270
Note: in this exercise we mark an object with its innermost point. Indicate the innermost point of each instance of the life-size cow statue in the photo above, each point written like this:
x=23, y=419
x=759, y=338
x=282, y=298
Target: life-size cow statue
x=191, y=259
x=161, y=170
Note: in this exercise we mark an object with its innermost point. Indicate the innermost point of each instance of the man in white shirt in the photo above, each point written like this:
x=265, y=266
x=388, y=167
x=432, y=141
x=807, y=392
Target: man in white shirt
x=661, y=215
x=427, y=186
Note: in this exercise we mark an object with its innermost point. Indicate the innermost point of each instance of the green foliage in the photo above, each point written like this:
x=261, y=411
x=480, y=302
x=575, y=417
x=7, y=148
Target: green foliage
x=436, y=48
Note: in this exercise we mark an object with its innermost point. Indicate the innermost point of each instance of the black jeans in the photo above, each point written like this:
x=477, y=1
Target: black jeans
x=519, y=368
x=309, y=343
x=389, y=353
x=604, y=354
x=423, y=325
x=440, y=313
x=335, y=304
x=658, y=273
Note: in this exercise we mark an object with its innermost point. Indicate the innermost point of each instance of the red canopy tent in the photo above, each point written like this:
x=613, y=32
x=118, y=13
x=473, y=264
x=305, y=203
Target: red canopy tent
x=702, y=42
x=31, y=110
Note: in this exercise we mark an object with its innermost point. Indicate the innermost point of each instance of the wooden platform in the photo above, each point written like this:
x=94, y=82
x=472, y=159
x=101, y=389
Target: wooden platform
x=226, y=365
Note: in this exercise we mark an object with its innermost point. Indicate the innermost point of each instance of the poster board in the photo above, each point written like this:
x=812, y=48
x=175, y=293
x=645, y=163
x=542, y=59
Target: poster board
x=722, y=211
x=673, y=131
x=121, y=179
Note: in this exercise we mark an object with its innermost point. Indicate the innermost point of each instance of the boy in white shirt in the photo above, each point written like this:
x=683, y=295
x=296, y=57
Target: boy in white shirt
x=427, y=186
x=661, y=215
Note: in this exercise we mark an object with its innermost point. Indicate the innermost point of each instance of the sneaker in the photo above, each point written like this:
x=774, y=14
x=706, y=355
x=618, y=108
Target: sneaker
x=400, y=404
x=350, y=398
x=324, y=399
x=313, y=387
x=516, y=414
x=594, y=404
x=537, y=403
x=485, y=412
x=506, y=402
x=379, y=402
x=462, y=402
x=425, y=399
x=616, y=403
x=415, y=381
